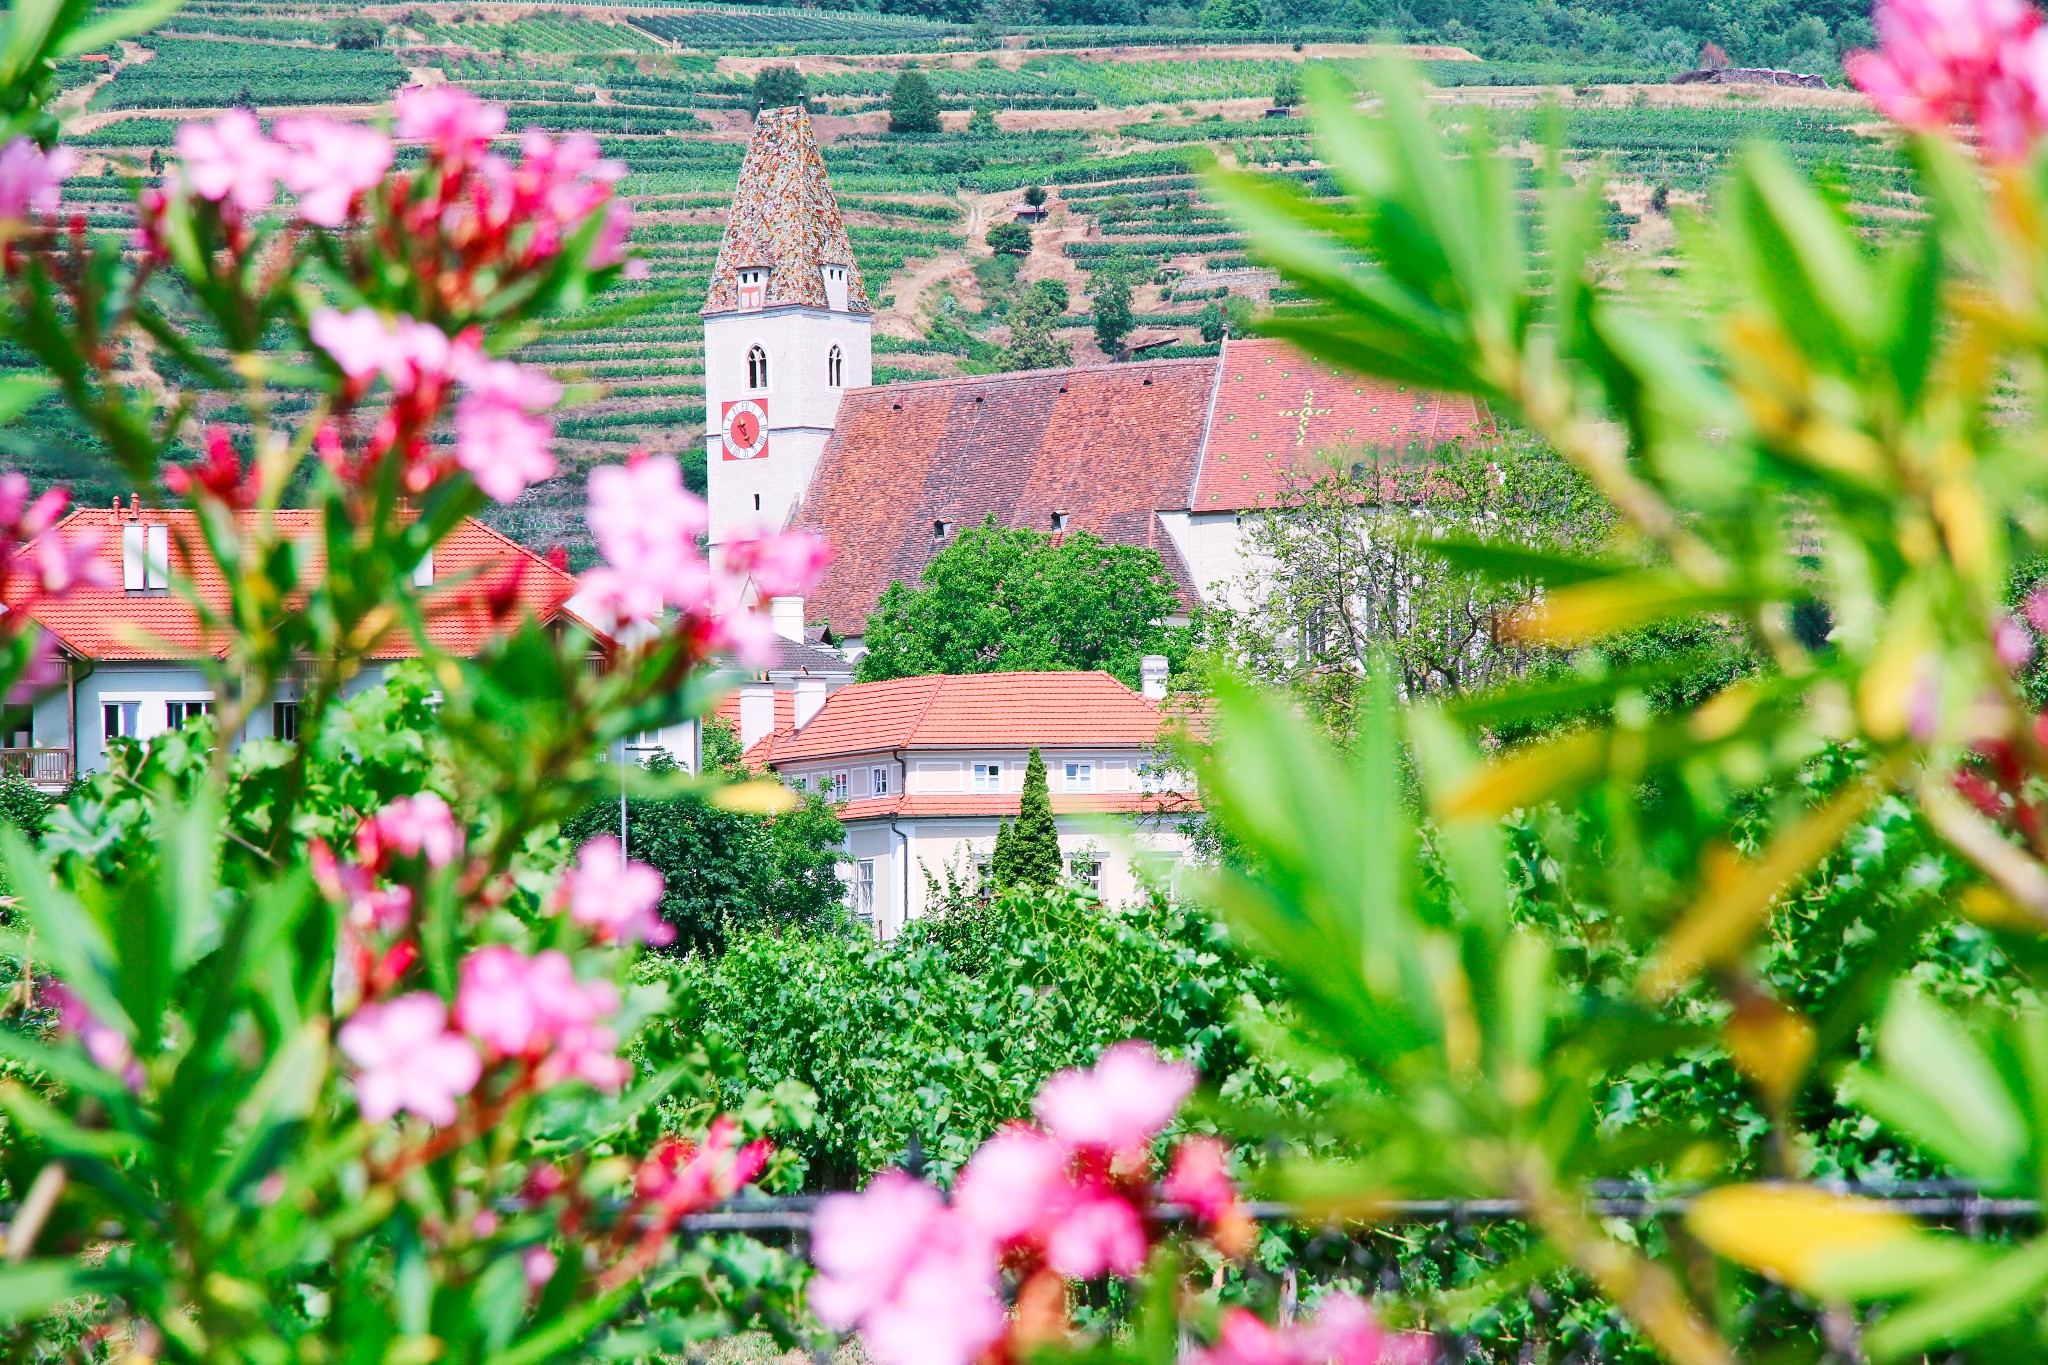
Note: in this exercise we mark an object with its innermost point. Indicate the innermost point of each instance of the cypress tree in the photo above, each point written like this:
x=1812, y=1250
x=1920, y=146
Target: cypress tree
x=999, y=863
x=1035, y=841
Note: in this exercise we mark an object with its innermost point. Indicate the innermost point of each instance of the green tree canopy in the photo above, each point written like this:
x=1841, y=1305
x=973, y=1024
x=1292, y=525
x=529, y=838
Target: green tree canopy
x=1111, y=288
x=1014, y=238
x=778, y=87
x=1035, y=342
x=913, y=104
x=723, y=869
x=1002, y=599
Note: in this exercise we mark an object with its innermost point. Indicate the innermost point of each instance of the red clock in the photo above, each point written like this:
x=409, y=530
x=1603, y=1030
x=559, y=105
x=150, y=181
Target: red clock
x=746, y=429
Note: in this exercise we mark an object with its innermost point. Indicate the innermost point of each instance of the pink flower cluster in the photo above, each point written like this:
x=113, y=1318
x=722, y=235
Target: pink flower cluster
x=499, y=438
x=509, y=1006
x=61, y=564
x=922, y=1280
x=1980, y=63
x=647, y=525
x=533, y=1009
x=30, y=177
x=328, y=165
x=616, y=899
x=1342, y=1332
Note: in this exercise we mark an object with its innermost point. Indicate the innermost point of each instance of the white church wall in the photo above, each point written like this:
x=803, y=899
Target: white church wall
x=801, y=403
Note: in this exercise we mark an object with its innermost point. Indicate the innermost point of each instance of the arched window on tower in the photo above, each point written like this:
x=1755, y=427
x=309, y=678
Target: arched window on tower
x=835, y=368
x=757, y=368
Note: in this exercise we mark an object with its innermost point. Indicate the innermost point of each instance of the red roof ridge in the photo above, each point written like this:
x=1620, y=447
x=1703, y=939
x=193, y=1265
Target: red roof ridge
x=1013, y=376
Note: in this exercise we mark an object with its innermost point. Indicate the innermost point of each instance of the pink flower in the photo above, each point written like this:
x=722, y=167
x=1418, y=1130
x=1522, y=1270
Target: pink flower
x=29, y=179
x=2036, y=610
x=918, y=1282
x=1120, y=1105
x=1343, y=1332
x=539, y=1264
x=496, y=440
x=535, y=1008
x=646, y=525
x=66, y=563
x=1009, y=1185
x=419, y=826
x=456, y=124
x=2012, y=641
x=364, y=343
x=610, y=246
x=1942, y=62
x=617, y=899
x=1200, y=1178
x=230, y=160
x=408, y=1059
x=683, y=1177
x=329, y=164
x=786, y=564
x=106, y=1045
x=1100, y=1233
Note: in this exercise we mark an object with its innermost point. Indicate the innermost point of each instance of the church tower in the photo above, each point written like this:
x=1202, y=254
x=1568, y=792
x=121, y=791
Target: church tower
x=787, y=329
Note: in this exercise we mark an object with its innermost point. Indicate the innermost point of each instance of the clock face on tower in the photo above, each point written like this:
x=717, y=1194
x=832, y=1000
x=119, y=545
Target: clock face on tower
x=745, y=427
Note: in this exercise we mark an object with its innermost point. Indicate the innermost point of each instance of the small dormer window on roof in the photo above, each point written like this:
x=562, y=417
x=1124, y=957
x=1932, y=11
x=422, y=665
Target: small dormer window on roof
x=835, y=288
x=753, y=286
x=941, y=529
x=1059, y=521
x=145, y=557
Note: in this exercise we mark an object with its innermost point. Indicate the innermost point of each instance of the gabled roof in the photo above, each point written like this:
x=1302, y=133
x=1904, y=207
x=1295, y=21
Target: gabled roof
x=1276, y=410
x=935, y=805
x=116, y=625
x=975, y=711
x=1111, y=446
x=785, y=217
x=1108, y=445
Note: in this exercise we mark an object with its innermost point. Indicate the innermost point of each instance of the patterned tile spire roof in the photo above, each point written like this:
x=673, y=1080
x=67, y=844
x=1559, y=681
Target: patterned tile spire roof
x=784, y=217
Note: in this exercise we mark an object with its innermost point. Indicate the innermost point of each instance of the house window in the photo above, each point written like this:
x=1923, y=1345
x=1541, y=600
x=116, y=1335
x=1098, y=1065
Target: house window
x=1087, y=872
x=1080, y=777
x=839, y=786
x=861, y=890
x=178, y=713
x=878, y=779
x=799, y=783
x=941, y=529
x=118, y=719
x=757, y=368
x=988, y=777
x=146, y=557
x=17, y=727
x=284, y=721
x=1059, y=521
x=835, y=368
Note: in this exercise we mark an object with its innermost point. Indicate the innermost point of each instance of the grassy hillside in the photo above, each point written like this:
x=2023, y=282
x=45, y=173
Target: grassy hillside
x=1115, y=134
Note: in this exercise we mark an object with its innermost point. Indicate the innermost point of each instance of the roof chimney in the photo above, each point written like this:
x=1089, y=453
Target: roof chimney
x=787, y=616
x=757, y=712
x=810, y=699
x=1152, y=671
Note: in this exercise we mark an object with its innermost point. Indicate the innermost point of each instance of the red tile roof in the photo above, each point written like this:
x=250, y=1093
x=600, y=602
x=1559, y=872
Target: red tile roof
x=113, y=624
x=976, y=711
x=1108, y=445
x=728, y=709
x=1277, y=410
x=933, y=805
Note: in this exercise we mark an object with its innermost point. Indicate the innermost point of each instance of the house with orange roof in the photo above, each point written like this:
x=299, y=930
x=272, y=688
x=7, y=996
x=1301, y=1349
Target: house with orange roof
x=130, y=653
x=923, y=772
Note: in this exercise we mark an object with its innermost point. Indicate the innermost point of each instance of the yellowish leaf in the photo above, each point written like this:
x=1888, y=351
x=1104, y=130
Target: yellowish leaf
x=1574, y=614
x=1770, y=1043
x=1523, y=776
x=1793, y=1233
x=1738, y=896
x=763, y=796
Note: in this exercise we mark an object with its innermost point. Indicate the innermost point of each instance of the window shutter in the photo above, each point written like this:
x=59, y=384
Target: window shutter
x=159, y=556
x=132, y=577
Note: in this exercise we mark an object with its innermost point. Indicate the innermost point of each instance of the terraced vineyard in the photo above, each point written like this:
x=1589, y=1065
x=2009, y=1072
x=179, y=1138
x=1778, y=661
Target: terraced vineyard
x=1117, y=139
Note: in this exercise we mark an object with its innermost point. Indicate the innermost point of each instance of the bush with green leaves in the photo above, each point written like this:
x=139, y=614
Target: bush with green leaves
x=913, y=104
x=1009, y=599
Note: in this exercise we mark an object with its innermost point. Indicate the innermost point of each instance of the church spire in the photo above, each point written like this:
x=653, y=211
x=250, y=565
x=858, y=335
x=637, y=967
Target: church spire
x=785, y=242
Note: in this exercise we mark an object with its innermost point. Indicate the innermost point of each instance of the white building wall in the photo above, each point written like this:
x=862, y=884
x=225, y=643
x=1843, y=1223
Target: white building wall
x=802, y=406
